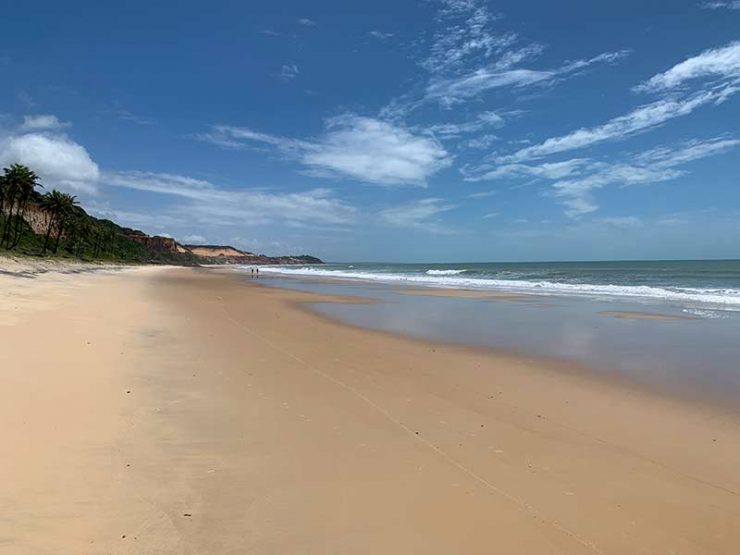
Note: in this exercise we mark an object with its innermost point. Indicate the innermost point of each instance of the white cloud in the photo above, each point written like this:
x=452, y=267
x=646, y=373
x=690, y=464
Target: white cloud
x=289, y=71
x=484, y=194
x=60, y=162
x=721, y=4
x=380, y=35
x=576, y=194
x=576, y=179
x=42, y=122
x=653, y=166
x=721, y=63
x=551, y=170
x=483, y=142
x=639, y=120
x=307, y=22
x=361, y=148
x=450, y=91
x=194, y=239
x=468, y=56
x=452, y=130
x=128, y=116
x=687, y=152
x=467, y=37
x=375, y=151
x=209, y=205
x=420, y=215
x=163, y=183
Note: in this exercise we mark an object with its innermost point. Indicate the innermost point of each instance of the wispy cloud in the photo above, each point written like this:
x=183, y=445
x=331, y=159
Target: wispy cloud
x=208, y=204
x=422, y=215
x=721, y=64
x=574, y=181
x=653, y=166
x=549, y=170
x=42, y=122
x=128, y=116
x=482, y=142
x=482, y=121
x=360, y=148
x=466, y=36
x=639, y=120
x=289, y=72
x=380, y=35
x=450, y=91
x=306, y=22
x=468, y=56
x=719, y=5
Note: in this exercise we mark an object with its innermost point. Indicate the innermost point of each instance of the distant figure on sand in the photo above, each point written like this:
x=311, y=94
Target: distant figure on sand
x=252, y=269
x=258, y=273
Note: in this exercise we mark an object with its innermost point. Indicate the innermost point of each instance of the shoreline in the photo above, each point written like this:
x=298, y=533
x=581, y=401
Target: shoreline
x=253, y=423
x=691, y=298
x=559, y=366
x=597, y=371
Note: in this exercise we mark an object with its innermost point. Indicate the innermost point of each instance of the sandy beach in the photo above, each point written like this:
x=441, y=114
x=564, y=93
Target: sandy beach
x=172, y=410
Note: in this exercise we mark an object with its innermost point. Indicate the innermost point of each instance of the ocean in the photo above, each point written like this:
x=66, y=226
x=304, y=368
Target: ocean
x=696, y=285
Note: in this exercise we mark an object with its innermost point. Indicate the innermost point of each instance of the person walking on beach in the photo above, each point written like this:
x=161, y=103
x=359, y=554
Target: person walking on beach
x=252, y=270
x=258, y=273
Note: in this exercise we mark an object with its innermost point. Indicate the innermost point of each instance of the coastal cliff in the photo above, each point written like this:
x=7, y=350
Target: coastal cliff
x=54, y=225
x=226, y=254
x=131, y=244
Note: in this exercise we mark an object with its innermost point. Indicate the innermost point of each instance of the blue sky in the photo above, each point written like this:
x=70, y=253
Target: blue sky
x=430, y=130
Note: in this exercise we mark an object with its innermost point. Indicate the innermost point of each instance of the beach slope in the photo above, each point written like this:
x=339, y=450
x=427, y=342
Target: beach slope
x=162, y=410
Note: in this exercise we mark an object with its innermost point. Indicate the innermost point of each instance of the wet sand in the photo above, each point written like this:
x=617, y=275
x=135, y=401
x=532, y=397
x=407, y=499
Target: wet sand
x=634, y=315
x=463, y=294
x=188, y=411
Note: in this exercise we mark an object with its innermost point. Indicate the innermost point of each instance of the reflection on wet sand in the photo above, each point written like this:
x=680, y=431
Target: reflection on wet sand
x=654, y=344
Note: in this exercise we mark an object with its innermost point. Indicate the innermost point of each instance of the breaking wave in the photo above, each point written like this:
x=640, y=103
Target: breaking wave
x=725, y=298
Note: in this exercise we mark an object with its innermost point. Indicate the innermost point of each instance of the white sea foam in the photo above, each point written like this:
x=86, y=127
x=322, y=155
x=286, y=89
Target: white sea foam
x=444, y=272
x=726, y=299
x=705, y=313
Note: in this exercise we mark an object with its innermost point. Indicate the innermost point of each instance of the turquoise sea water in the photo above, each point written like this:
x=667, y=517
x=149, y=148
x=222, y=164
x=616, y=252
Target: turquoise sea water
x=695, y=284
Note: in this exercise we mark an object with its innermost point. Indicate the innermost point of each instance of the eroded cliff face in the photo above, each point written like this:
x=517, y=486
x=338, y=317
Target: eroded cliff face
x=215, y=251
x=226, y=254
x=155, y=243
x=37, y=218
x=162, y=247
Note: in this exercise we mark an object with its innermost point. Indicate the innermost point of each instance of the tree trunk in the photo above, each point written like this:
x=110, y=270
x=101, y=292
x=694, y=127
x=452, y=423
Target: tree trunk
x=8, y=222
x=59, y=236
x=52, y=220
x=19, y=219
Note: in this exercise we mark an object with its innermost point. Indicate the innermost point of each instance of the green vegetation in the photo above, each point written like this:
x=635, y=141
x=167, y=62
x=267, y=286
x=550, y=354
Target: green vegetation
x=53, y=224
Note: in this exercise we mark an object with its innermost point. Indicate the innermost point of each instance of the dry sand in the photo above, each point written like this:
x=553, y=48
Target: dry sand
x=168, y=411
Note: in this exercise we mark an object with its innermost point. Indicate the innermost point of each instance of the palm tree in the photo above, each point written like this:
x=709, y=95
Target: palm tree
x=2, y=193
x=19, y=183
x=67, y=217
x=57, y=205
